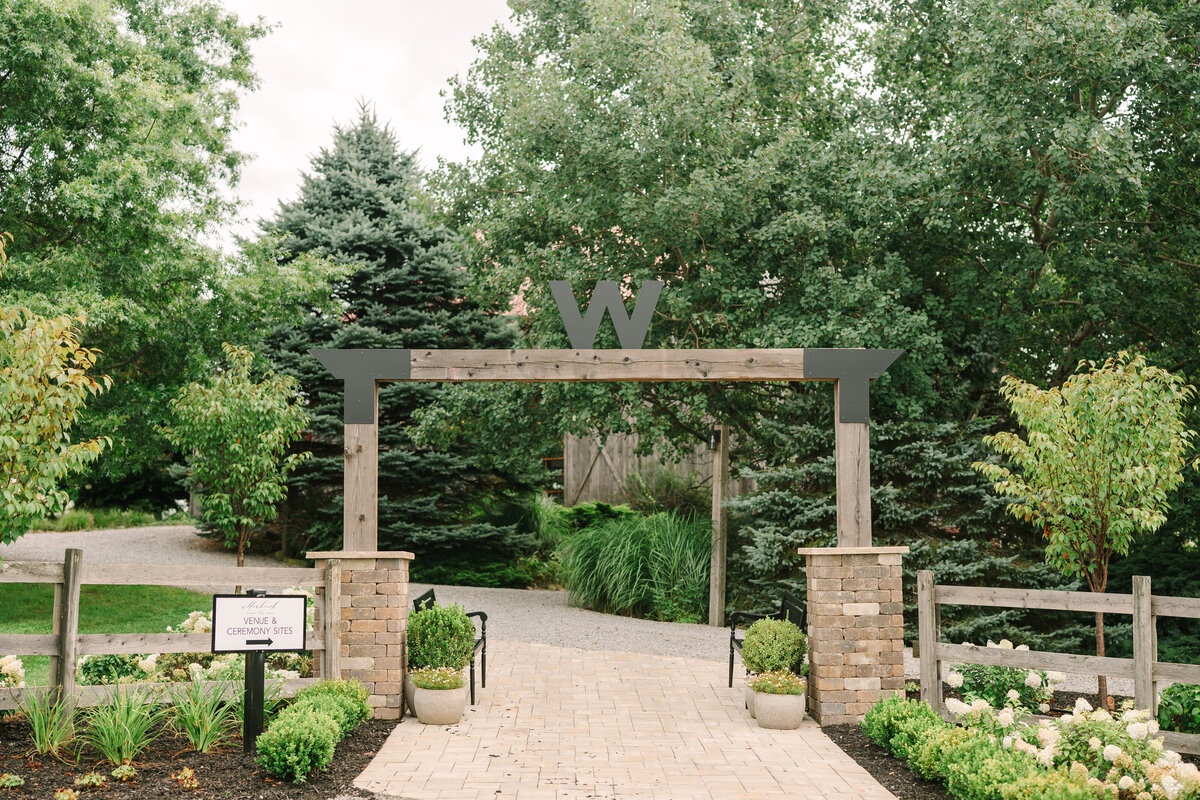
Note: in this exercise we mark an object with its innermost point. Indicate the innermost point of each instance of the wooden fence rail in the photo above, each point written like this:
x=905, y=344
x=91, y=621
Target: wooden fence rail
x=1144, y=668
x=65, y=644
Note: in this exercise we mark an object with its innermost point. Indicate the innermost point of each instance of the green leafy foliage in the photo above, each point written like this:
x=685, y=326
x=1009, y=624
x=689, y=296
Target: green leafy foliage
x=44, y=386
x=104, y=669
x=124, y=726
x=352, y=695
x=90, y=780
x=997, y=685
x=298, y=743
x=10, y=781
x=1179, y=708
x=440, y=636
x=655, y=566
x=235, y=432
x=894, y=717
x=123, y=773
x=772, y=645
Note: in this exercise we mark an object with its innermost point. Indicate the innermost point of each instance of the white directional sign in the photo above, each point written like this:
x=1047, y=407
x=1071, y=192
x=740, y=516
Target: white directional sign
x=242, y=624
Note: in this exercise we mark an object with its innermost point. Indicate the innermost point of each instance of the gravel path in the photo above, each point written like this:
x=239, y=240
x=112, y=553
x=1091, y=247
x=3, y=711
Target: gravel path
x=177, y=545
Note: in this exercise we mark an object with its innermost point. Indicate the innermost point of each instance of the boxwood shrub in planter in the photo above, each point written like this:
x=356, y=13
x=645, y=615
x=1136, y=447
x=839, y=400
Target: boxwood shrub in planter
x=438, y=637
x=441, y=695
x=779, y=700
x=772, y=645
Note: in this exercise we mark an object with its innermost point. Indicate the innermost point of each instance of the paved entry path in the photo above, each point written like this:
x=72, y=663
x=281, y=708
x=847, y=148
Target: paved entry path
x=557, y=723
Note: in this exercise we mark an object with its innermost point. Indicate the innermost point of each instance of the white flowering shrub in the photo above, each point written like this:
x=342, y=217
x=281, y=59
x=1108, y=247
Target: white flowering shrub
x=1004, y=686
x=12, y=673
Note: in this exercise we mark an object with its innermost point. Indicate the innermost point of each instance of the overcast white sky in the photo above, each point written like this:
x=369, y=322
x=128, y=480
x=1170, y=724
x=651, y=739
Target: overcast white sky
x=323, y=57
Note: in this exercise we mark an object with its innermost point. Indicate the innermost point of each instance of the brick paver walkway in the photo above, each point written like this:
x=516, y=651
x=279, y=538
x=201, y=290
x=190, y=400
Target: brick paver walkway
x=557, y=723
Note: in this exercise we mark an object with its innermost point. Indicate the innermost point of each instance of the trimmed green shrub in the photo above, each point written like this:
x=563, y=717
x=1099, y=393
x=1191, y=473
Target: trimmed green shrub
x=440, y=636
x=934, y=749
x=901, y=726
x=298, y=742
x=1057, y=785
x=340, y=707
x=774, y=644
x=352, y=692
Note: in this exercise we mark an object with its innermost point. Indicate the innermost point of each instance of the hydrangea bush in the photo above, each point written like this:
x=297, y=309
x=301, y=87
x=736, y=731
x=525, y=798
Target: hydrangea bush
x=1004, y=686
x=1004, y=752
x=12, y=673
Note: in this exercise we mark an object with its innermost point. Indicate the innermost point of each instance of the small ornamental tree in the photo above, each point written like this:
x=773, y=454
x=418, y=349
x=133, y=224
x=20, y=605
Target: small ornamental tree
x=1100, y=457
x=235, y=433
x=44, y=386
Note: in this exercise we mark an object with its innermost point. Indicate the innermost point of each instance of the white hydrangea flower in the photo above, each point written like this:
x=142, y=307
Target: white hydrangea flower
x=990, y=643
x=1013, y=695
x=1171, y=787
x=1082, y=706
x=956, y=707
x=1100, y=715
x=1138, y=731
x=1125, y=784
x=1033, y=680
x=1044, y=708
x=1152, y=726
x=1055, y=677
x=1048, y=736
x=954, y=680
x=1067, y=719
x=1046, y=755
x=1005, y=644
x=1095, y=743
x=1005, y=717
x=1007, y=742
x=1021, y=647
x=979, y=704
x=1111, y=752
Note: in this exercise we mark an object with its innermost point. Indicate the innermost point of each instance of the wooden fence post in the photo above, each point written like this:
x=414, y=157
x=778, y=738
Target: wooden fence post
x=68, y=627
x=929, y=630
x=331, y=619
x=1144, y=649
x=852, y=468
x=716, y=571
x=56, y=620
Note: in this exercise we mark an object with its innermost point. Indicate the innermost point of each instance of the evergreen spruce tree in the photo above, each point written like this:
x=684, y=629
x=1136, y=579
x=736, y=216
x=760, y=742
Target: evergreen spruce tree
x=407, y=290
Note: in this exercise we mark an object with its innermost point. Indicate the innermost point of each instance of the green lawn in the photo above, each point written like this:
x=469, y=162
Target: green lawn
x=102, y=609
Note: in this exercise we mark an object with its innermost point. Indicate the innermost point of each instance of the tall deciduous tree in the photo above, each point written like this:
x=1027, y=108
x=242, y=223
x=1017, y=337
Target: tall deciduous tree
x=1099, y=461
x=361, y=207
x=235, y=432
x=115, y=157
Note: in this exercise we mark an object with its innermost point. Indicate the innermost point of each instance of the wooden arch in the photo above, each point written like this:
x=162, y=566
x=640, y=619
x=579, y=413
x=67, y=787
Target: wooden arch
x=850, y=369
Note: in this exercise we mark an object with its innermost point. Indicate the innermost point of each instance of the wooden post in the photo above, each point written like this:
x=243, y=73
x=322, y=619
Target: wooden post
x=56, y=621
x=1144, y=650
x=360, y=512
x=716, y=568
x=68, y=629
x=331, y=664
x=852, y=460
x=930, y=634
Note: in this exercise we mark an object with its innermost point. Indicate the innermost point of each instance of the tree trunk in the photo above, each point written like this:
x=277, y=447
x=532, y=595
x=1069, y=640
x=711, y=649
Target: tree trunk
x=1101, y=680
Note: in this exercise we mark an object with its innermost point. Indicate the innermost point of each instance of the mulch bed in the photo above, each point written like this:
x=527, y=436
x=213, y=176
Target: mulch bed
x=225, y=773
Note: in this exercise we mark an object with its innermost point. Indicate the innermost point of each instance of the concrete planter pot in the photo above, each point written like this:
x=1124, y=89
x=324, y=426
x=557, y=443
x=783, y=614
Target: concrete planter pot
x=750, y=700
x=781, y=712
x=440, y=706
x=410, y=689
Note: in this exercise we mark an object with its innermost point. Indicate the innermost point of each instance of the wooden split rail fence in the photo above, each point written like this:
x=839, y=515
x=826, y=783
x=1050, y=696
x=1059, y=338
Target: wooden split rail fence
x=1144, y=669
x=65, y=644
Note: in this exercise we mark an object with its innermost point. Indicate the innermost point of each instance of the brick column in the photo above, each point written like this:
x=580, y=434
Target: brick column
x=374, y=623
x=856, y=629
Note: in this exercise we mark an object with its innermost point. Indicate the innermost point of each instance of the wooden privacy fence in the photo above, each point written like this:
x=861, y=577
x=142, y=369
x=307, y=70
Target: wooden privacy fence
x=1144, y=669
x=65, y=644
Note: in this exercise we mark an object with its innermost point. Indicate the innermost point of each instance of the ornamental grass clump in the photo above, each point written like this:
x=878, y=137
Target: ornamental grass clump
x=778, y=682
x=440, y=636
x=774, y=644
x=51, y=721
x=199, y=711
x=437, y=678
x=124, y=726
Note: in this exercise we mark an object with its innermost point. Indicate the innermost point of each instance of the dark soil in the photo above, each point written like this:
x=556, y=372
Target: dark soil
x=225, y=773
x=890, y=771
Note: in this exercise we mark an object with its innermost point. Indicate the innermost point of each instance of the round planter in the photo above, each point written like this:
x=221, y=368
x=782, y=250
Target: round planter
x=781, y=712
x=410, y=689
x=750, y=700
x=440, y=706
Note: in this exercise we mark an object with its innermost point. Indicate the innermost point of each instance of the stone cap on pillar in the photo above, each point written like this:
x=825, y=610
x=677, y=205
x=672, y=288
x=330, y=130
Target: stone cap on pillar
x=852, y=551
x=351, y=554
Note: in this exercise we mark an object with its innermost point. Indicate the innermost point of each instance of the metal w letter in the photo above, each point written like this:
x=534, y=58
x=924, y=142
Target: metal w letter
x=631, y=329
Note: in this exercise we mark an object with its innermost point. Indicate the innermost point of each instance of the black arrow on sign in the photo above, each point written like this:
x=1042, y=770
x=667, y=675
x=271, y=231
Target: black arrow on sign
x=267, y=642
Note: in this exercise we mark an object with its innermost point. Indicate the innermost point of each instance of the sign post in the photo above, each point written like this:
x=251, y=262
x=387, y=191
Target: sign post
x=255, y=624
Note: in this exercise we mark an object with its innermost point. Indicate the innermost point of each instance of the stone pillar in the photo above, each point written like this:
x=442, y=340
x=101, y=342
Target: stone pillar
x=374, y=623
x=856, y=629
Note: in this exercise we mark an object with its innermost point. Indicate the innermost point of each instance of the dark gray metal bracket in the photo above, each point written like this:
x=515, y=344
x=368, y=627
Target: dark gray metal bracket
x=853, y=370
x=359, y=370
